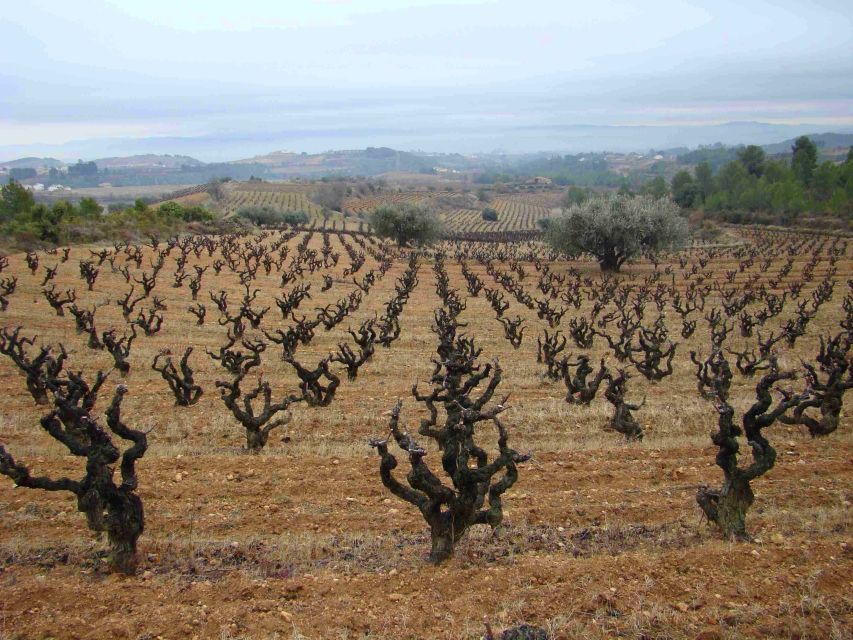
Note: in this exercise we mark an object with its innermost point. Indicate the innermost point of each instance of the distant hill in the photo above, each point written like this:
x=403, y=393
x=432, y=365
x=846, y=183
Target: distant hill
x=590, y=169
x=276, y=158
x=31, y=163
x=361, y=162
x=821, y=140
x=442, y=139
x=148, y=161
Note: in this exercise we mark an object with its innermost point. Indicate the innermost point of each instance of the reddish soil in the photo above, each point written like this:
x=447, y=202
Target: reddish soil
x=601, y=539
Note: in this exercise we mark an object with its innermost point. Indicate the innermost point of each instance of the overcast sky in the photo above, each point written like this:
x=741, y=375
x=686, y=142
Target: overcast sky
x=433, y=74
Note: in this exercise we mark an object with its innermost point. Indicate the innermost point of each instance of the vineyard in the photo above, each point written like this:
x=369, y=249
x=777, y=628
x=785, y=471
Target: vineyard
x=461, y=212
x=278, y=199
x=364, y=205
x=333, y=437
x=515, y=213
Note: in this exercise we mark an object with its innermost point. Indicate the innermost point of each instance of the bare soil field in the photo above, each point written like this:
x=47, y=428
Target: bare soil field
x=602, y=536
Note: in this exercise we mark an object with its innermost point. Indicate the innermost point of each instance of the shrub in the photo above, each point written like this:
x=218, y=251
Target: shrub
x=489, y=214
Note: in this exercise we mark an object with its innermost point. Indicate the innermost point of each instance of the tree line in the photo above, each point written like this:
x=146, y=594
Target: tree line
x=756, y=188
x=27, y=222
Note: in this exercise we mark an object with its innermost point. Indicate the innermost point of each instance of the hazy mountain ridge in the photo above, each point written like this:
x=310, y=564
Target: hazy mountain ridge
x=148, y=160
x=31, y=163
x=428, y=139
x=149, y=169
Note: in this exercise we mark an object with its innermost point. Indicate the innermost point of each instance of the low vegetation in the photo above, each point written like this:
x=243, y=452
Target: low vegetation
x=27, y=224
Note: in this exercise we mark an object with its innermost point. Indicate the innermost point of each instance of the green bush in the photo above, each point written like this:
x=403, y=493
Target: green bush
x=187, y=214
x=489, y=214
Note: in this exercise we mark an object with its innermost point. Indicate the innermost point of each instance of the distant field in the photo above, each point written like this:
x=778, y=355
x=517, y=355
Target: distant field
x=279, y=197
x=461, y=211
x=515, y=213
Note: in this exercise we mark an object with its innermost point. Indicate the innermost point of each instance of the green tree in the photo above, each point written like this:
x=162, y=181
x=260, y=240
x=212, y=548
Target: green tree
x=775, y=171
x=616, y=228
x=684, y=189
x=788, y=198
x=655, y=188
x=752, y=157
x=489, y=214
x=89, y=208
x=14, y=200
x=704, y=180
x=576, y=195
x=824, y=181
x=732, y=181
x=47, y=220
x=406, y=223
x=804, y=159
x=82, y=169
x=839, y=203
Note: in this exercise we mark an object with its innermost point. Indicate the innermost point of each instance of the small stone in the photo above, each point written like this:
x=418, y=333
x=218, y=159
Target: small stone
x=395, y=597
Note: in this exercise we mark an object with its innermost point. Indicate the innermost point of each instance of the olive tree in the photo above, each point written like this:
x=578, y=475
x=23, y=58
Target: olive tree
x=615, y=228
x=406, y=223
